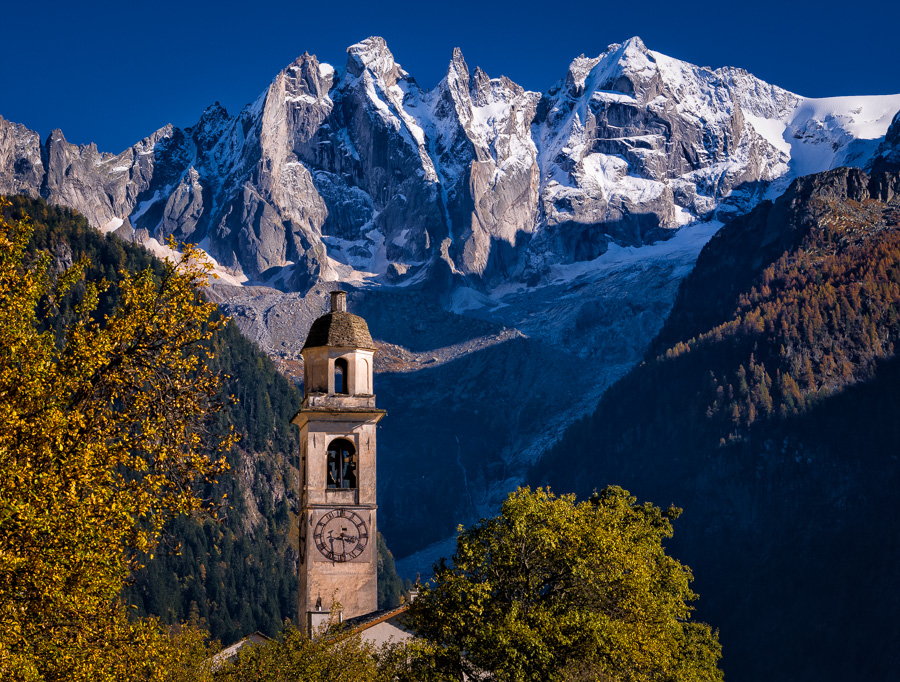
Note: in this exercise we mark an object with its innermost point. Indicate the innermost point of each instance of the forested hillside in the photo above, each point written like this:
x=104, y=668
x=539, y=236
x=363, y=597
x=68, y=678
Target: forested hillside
x=238, y=575
x=767, y=409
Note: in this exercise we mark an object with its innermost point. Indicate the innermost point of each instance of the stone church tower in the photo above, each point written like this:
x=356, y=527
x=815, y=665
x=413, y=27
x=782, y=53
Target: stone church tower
x=337, y=419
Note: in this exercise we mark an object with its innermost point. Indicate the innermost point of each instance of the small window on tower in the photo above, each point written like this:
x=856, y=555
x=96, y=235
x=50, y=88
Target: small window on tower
x=341, y=464
x=341, y=375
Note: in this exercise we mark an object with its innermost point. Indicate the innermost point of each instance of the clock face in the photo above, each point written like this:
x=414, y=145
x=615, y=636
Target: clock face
x=341, y=535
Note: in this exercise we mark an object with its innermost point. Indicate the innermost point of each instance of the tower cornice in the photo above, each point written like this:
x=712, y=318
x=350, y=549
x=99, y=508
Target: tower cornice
x=338, y=414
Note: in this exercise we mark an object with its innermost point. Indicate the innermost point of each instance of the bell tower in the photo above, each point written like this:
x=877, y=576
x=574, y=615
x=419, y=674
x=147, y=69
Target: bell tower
x=337, y=419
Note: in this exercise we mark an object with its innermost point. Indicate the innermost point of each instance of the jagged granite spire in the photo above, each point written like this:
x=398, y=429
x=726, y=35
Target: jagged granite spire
x=363, y=174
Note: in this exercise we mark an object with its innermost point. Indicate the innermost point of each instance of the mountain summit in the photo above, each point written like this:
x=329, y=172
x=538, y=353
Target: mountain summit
x=360, y=175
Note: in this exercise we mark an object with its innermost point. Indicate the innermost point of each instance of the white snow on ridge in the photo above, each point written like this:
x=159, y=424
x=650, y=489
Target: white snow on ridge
x=610, y=173
x=308, y=99
x=865, y=117
x=823, y=131
x=771, y=130
x=684, y=245
x=610, y=96
x=112, y=225
x=325, y=70
x=699, y=91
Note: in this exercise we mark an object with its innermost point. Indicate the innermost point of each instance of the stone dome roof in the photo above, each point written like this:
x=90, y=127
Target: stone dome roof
x=341, y=329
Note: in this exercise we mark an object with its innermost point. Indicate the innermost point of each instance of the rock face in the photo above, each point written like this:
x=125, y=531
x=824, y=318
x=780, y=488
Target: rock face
x=360, y=175
x=21, y=166
x=888, y=156
x=642, y=143
x=488, y=165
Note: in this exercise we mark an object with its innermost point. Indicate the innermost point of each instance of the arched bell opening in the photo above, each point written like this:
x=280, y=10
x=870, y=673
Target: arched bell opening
x=341, y=376
x=342, y=462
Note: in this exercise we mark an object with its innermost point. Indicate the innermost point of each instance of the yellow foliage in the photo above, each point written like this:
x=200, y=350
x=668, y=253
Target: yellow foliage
x=101, y=441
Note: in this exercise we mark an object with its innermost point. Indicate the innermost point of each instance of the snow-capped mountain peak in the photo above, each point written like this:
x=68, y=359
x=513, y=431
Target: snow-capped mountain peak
x=373, y=55
x=363, y=175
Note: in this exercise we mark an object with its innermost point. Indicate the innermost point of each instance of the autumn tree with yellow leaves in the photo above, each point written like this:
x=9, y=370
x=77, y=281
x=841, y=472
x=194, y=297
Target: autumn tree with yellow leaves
x=102, y=440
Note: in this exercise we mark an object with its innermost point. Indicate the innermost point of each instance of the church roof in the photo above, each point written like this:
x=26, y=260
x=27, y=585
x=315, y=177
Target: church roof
x=231, y=652
x=341, y=329
x=367, y=620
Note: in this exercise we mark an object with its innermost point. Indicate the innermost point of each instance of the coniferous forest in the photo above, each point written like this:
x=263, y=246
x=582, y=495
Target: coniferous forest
x=767, y=409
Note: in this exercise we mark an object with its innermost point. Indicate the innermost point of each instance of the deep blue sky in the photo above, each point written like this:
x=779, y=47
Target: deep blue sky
x=112, y=72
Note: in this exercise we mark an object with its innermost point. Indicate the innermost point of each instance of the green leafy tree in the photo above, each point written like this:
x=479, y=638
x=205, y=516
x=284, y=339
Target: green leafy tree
x=334, y=655
x=556, y=589
x=203, y=559
x=102, y=440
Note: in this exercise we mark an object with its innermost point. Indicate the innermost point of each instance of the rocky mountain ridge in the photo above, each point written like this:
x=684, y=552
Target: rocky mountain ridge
x=361, y=175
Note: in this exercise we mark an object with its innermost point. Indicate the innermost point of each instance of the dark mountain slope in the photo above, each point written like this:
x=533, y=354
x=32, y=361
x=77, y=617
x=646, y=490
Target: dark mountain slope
x=733, y=260
x=768, y=411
